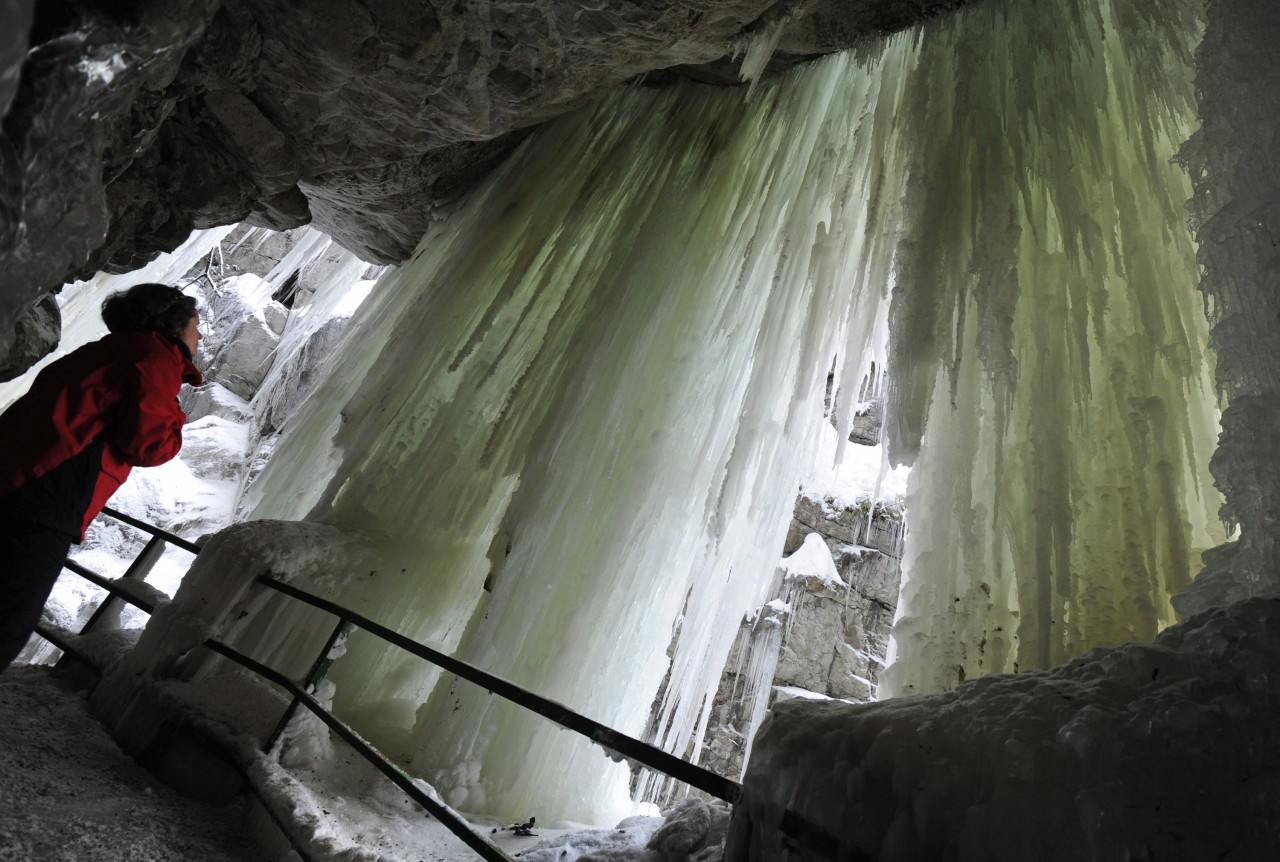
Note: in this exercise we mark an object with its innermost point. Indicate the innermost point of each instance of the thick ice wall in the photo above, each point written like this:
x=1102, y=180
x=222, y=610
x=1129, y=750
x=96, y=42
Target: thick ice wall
x=1049, y=358
x=594, y=387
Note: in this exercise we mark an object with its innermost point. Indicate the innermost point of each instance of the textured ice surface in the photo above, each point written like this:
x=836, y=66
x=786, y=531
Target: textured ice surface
x=1162, y=750
x=1049, y=349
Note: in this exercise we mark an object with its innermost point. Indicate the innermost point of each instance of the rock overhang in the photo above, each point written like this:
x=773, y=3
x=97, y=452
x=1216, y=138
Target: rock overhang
x=129, y=125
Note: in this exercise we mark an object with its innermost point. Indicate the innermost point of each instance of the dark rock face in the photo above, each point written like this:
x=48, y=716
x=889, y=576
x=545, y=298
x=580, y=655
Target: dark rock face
x=1175, y=733
x=133, y=124
x=74, y=125
x=16, y=15
x=35, y=336
x=1236, y=215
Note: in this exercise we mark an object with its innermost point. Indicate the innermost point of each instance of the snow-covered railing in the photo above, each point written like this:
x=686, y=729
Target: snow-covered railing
x=447, y=816
x=815, y=841
x=617, y=745
x=118, y=590
x=137, y=570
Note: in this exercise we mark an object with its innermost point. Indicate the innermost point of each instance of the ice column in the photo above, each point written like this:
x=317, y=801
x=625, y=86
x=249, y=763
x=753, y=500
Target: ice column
x=580, y=411
x=1061, y=492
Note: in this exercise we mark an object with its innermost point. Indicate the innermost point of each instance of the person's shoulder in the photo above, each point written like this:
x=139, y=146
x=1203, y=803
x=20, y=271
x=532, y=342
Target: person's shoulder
x=156, y=351
x=140, y=346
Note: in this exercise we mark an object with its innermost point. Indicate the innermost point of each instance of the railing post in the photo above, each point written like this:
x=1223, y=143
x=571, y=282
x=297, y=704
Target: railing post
x=112, y=606
x=138, y=569
x=319, y=669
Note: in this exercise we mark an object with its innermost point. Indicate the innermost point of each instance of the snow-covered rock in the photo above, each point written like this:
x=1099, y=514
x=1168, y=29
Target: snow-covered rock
x=306, y=366
x=692, y=831
x=825, y=634
x=1159, y=750
x=276, y=316
x=215, y=447
x=214, y=399
x=236, y=322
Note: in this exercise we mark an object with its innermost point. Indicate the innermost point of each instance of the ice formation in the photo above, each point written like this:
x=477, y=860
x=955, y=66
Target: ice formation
x=694, y=830
x=594, y=391
x=1049, y=358
x=1147, y=751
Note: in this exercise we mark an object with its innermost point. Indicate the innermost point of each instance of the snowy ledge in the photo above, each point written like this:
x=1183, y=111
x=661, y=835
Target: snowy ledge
x=1159, y=750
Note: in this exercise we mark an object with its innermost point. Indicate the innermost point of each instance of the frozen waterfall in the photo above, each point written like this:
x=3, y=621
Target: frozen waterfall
x=1050, y=360
x=576, y=419
x=574, y=422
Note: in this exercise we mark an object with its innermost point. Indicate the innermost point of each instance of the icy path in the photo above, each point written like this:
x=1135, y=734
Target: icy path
x=68, y=793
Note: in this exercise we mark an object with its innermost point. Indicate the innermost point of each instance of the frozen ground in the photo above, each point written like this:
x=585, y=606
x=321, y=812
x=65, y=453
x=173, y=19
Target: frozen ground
x=67, y=793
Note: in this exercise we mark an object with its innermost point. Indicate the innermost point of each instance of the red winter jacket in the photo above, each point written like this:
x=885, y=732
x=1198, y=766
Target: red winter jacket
x=121, y=389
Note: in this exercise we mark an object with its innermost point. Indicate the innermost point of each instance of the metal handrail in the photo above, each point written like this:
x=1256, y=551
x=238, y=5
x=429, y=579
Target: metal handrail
x=606, y=737
x=110, y=585
x=459, y=827
x=793, y=824
x=171, y=538
x=797, y=827
x=136, y=571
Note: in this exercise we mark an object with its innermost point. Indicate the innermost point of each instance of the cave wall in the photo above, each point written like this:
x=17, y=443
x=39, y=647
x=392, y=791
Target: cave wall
x=127, y=126
x=1234, y=162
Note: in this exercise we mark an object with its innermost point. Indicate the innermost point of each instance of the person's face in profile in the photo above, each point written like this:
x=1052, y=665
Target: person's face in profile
x=191, y=334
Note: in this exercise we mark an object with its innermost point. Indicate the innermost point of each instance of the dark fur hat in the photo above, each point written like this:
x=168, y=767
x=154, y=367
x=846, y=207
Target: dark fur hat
x=147, y=308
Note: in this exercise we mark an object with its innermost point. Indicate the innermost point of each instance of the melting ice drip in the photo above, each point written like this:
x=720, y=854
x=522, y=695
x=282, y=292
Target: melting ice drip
x=594, y=388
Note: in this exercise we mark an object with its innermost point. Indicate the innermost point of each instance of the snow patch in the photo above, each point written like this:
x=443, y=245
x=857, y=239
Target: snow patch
x=813, y=560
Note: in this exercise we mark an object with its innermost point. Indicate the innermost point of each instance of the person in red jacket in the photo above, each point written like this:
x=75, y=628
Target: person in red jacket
x=67, y=444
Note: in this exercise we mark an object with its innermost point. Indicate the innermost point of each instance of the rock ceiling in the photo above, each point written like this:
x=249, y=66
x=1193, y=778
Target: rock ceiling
x=128, y=124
